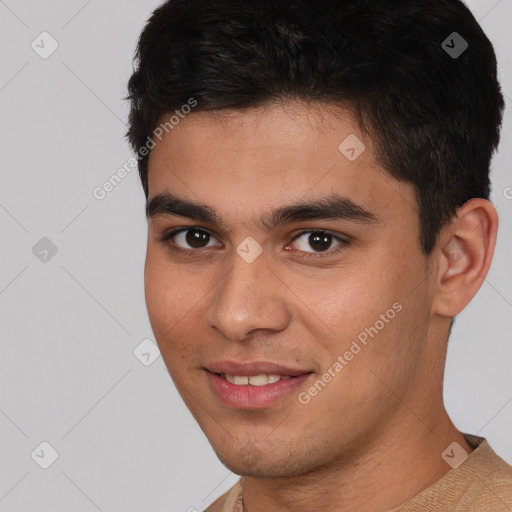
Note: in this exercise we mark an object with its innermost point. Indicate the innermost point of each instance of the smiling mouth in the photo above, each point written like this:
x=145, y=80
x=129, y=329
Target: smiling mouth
x=254, y=380
x=257, y=391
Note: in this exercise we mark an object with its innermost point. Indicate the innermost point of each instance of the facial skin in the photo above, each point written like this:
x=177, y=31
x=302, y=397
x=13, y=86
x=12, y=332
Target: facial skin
x=373, y=437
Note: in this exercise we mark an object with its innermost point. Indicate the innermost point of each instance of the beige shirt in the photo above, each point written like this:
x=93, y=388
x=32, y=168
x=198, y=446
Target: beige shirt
x=482, y=483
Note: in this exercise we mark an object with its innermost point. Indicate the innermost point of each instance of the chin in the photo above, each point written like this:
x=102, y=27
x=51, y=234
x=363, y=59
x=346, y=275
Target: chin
x=266, y=462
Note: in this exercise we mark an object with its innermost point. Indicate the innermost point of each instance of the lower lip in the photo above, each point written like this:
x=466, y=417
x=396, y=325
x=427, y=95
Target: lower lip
x=254, y=397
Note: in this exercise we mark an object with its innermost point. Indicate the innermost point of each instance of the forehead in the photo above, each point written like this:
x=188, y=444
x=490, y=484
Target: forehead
x=245, y=162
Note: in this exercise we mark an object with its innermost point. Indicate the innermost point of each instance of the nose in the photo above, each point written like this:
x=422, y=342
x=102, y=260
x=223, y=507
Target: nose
x=249, y=297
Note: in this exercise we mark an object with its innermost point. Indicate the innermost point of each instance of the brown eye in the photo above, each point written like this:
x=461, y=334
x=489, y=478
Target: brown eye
x=320, y=242
x=197, y=238
x=189, y=239
x=316, y=241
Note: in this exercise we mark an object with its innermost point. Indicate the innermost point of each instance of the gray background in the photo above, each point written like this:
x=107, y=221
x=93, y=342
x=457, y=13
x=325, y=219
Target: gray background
x=70, y=324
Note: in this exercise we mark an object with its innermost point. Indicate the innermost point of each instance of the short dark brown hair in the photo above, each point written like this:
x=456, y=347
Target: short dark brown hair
x=434, y=116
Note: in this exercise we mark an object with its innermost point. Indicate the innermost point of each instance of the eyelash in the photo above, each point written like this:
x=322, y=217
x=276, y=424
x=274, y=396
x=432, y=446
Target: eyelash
x=343, y=242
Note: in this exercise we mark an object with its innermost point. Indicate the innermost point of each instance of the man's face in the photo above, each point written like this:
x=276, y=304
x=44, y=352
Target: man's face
x=306, y=302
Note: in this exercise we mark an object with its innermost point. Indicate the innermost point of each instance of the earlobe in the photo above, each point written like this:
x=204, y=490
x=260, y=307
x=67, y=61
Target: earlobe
x=466, y=248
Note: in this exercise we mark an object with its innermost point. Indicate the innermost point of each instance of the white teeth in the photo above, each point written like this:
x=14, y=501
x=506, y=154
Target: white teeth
x=258, y=380
x=254, y=380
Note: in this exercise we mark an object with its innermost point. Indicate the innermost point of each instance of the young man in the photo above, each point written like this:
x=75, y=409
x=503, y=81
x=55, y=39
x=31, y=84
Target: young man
x=317, y=183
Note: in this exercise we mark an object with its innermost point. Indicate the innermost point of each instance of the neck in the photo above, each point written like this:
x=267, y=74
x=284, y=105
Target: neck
x=388, y=472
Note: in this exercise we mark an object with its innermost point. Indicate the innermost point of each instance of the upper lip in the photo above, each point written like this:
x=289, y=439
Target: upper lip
x=251, y=368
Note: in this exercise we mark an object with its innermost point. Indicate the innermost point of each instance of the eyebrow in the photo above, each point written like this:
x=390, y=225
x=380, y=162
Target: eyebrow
x=332, y=207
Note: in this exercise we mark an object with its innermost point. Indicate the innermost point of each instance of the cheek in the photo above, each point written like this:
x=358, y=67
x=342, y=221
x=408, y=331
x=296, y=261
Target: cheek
x=357, y=312
x=341, y=303
x=157, y=285
x=170, y=301
x=169, y=293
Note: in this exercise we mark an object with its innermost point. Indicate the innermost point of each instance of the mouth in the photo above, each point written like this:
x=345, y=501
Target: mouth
x=254, y=369
x=249, y=387
x=254, y=380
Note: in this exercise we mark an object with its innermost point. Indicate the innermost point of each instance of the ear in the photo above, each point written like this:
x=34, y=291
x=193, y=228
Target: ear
x=463, y=255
